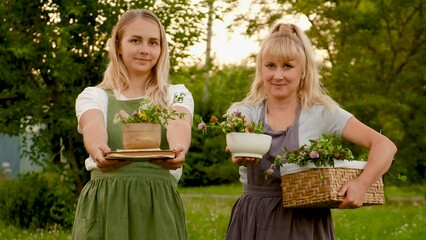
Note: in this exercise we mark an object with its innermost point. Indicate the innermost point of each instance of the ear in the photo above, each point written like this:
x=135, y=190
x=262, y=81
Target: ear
x=118, y=47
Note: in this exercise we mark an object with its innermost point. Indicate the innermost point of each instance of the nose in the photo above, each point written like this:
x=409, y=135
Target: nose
x=143, y=49
x=279, y=74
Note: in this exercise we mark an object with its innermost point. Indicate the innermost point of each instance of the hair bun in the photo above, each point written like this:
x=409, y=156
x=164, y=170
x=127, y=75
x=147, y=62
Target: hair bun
x=284, y=28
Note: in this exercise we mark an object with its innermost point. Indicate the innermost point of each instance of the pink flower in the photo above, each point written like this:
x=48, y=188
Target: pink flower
x=314, y=154
x=201, y=126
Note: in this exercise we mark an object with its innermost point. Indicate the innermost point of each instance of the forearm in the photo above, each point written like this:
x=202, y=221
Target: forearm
x=179, y=132
x=381, y=150
x=380, y=159
x=93, y=137
x=93, y=130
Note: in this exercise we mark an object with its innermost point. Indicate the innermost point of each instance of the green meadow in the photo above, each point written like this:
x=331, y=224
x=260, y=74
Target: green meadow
x=208, y=208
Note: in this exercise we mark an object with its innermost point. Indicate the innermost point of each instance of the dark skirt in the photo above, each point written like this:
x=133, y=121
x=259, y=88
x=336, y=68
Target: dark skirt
x=258, y=214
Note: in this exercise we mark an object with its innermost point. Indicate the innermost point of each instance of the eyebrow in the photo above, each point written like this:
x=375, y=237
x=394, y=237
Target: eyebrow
x=139, y=37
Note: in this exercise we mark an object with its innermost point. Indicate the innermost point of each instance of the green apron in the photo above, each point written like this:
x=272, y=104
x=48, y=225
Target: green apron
x=138, y=201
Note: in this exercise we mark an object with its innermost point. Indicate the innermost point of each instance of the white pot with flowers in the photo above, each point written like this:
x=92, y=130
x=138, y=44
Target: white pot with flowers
x=243, y=139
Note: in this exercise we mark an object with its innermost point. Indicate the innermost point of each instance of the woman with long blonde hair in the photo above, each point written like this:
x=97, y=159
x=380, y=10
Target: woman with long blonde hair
x=287, y=96
x=125, y=199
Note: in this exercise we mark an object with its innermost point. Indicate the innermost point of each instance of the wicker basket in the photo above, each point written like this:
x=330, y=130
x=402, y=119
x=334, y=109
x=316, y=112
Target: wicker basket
x=318, y=188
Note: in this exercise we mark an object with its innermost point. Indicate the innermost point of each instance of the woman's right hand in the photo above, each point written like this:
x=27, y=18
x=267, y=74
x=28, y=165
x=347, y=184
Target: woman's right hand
x=98, y=155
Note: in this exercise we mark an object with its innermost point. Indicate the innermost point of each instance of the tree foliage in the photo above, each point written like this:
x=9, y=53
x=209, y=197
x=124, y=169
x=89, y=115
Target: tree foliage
x=51, y=50
x=207, y=161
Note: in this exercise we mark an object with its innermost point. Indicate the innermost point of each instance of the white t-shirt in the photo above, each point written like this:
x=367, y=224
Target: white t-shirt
x=97, y=98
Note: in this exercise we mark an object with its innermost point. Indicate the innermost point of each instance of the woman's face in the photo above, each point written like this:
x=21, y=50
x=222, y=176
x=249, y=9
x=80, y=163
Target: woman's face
x=140, y=47
x=281, y=78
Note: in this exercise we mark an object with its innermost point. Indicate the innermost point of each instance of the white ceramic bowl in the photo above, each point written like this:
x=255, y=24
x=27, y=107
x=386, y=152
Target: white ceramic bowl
x=248, y=144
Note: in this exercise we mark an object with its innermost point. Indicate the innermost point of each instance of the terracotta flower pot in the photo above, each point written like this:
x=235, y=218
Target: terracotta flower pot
x=248, y=144
x=141, y=135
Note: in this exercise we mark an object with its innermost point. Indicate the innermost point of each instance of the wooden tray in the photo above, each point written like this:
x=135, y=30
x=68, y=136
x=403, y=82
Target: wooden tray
x=140, y=155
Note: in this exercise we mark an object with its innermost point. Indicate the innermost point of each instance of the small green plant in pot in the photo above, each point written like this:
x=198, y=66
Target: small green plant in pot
x=243, y=138
x=142, y=129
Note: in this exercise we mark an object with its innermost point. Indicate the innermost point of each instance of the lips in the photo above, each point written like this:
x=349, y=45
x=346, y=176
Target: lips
x=142, y=61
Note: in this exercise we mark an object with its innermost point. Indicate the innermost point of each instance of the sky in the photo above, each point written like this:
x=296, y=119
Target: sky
x=234, y=47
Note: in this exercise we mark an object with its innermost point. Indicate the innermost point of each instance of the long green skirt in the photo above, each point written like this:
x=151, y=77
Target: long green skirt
x=139, y=201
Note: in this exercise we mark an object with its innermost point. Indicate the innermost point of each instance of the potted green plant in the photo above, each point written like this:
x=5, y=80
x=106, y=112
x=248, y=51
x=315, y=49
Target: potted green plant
x=243, y=138
x=142, y=129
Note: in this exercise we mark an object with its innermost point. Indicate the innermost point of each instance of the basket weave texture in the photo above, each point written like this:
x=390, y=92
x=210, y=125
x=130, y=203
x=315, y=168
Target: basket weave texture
x=318, y=188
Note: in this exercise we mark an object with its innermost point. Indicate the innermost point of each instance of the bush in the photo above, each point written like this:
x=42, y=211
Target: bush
x=37, y=200
x=207, y=162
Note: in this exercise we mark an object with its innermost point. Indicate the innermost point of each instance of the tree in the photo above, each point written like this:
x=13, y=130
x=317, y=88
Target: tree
x=51, y=50
x=215, y=11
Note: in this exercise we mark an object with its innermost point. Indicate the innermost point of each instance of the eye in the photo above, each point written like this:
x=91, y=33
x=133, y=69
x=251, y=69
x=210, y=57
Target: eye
x=287, y=65
x=154, y=43
x=134, y=40
x=270, y=66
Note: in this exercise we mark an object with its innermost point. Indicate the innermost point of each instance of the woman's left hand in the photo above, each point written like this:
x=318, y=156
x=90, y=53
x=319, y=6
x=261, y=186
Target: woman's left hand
x=175, y=163
x=353, y=193
x=243, y=161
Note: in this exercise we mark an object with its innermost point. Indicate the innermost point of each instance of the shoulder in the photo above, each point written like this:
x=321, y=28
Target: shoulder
x=178, y=88
x=188, y=100
x=174, y=89
x=91, y=98
x=245, y=107
x=316, y=109
x=92, y=93
x=323, y=112
x=249, y=110
x=318, y=119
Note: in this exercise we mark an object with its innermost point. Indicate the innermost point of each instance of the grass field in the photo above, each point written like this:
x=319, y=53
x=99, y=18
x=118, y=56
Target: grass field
x=396, y=220
x=208, y=209
x=402, y=217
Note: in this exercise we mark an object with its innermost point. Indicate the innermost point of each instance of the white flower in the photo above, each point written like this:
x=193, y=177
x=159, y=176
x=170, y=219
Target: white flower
x=5, y=165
